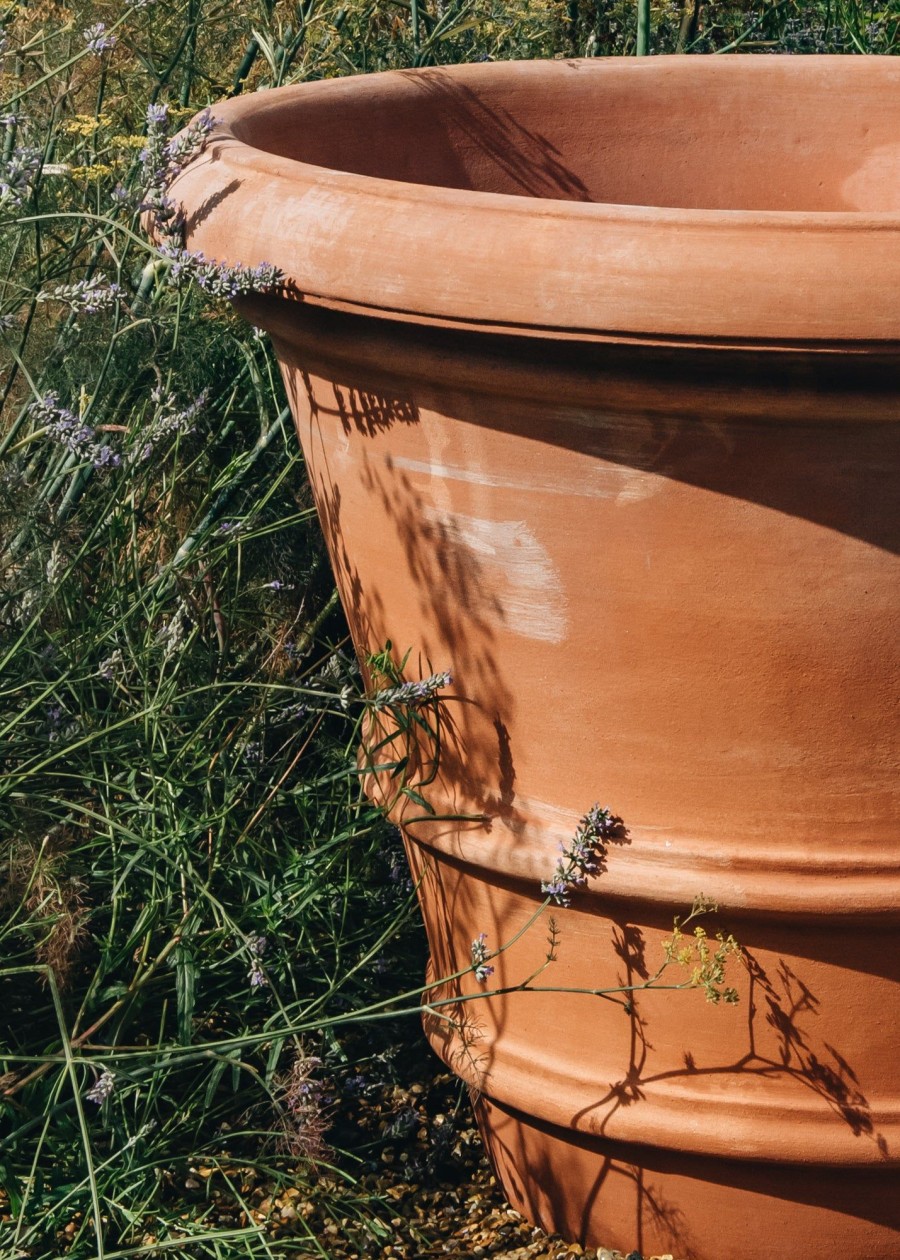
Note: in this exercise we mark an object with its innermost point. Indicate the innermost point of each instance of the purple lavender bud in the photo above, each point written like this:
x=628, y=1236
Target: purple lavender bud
x=104, y=1085
x=18, y=173
x=97, y=39
x=481, y=968
x=412, y=694
x=256, y=947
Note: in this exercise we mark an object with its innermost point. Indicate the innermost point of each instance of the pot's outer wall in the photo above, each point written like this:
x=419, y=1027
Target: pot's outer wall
x=665, y=576
x=691, y=612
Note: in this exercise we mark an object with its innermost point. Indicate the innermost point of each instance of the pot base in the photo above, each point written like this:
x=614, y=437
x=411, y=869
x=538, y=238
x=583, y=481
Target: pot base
x=610, y=1194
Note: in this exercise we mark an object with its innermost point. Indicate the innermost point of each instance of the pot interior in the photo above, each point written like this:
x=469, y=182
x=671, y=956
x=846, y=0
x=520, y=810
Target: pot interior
x=716, y=133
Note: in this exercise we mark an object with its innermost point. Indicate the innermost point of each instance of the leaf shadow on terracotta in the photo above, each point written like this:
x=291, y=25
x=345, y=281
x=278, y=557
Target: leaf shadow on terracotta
x=512, y=157
x=458, y=610
x=363, y=608
x=793, y=431
x=371, y=413
x=780, y=1042
x=538, y=1175
x=209, y=204
x=452, y=137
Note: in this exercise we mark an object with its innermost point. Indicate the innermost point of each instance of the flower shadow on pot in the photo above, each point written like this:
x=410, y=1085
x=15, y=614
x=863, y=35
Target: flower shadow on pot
x=661, y=1189
x=772, y=1038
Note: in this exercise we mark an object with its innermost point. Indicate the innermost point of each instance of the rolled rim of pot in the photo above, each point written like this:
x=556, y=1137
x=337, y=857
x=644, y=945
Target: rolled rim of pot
x=738, y=200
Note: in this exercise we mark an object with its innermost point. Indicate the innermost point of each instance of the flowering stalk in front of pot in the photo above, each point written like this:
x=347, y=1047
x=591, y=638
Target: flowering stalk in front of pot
x=414, y=708
x=402, y=739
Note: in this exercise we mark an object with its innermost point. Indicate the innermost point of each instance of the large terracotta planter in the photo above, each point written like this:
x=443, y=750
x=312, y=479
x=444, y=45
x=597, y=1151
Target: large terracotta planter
x=595, y=367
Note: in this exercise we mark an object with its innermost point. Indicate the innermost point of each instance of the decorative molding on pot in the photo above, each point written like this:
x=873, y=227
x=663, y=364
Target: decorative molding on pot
x=534, y=263
x=744, y=873
x=742, y=1112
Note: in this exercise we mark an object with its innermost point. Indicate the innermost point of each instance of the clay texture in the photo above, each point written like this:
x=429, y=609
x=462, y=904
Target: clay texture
x=595, y=368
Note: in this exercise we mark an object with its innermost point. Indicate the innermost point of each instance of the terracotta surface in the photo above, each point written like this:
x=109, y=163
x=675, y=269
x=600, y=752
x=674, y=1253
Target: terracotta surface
x=595, y=366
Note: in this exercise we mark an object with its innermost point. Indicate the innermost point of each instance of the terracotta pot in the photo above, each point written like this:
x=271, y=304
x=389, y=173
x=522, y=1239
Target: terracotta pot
x=595, y=367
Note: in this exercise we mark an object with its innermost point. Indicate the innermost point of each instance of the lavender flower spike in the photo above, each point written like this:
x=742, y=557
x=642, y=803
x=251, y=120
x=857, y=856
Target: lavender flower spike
x=583, y=855
x=217, y=278
x=87, y=297
x=66, y=428
x=412, y=694
x=481, y=967
x=104, y=1085
x=163, y=157
x=256, y=947
x=97, y=39
x=18, y=173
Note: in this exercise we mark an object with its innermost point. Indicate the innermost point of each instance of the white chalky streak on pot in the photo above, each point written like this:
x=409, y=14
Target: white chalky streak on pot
x=520, y=584
x=606, y=481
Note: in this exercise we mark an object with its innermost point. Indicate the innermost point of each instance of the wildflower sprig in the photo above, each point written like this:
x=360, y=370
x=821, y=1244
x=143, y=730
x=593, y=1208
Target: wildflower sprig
x=705, y=959
x=583, y=855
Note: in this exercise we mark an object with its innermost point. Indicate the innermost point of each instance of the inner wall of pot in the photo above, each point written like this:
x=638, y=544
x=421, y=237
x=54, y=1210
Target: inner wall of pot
x=735, y=133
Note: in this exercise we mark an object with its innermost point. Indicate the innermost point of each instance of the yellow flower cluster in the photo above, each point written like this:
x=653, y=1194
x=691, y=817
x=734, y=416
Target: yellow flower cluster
x=92, y=174
x=85, y=124
x=705, y=959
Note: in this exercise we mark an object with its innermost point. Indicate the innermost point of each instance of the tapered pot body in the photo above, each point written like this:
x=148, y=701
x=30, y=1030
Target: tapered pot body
x=617, y=442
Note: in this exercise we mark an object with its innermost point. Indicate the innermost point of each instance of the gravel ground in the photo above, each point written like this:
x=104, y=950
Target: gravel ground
x=425, y=1159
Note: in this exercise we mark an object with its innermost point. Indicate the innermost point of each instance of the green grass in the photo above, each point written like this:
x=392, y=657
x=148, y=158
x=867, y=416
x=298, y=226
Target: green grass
x=196, y=905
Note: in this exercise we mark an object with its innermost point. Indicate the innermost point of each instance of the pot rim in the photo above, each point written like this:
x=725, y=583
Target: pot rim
x=547, y=266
